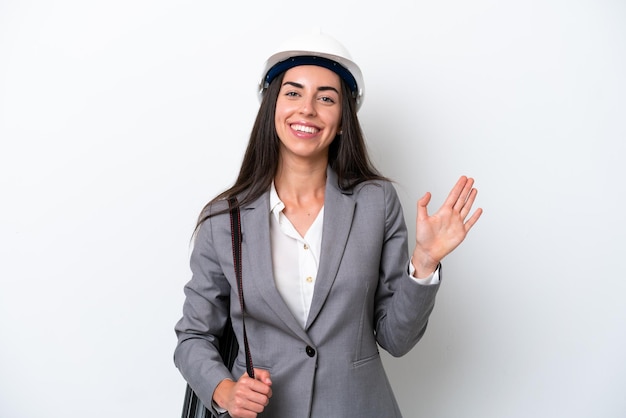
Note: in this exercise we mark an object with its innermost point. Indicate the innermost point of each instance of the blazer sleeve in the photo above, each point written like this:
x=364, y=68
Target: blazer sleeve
x=205, y=313
x=403, y=306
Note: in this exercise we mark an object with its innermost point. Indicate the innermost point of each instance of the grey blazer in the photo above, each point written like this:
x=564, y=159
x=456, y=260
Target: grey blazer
x=363, y=298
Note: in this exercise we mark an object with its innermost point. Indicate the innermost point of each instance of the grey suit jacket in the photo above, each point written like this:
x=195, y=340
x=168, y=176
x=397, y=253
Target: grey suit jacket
x=363, y=298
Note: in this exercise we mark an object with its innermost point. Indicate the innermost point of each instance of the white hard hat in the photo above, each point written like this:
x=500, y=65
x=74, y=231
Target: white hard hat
x=315, y=48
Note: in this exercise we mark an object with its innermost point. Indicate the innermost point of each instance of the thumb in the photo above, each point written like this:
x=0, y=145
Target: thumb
x=263, y=376
x=422, y=210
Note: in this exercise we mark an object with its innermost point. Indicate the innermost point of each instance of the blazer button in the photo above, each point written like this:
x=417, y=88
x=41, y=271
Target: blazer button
x=310, y=351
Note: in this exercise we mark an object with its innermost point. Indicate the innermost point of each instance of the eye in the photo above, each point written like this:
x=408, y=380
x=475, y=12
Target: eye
x=291, y=94
x=327, y=99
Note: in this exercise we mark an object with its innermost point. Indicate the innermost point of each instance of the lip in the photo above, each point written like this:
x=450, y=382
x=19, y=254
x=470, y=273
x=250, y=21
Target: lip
x=304, y=129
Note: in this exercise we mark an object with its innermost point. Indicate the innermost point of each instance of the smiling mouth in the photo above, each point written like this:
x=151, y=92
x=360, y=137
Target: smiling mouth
x=305, y=129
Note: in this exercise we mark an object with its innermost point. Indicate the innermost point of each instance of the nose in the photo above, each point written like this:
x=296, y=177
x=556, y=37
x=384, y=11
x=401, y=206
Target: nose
x=307, y=106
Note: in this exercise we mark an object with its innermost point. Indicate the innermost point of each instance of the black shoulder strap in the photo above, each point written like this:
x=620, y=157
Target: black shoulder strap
x=235, y=228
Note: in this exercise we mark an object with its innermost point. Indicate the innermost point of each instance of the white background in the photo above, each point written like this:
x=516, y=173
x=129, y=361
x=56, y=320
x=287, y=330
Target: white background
x=120, y=119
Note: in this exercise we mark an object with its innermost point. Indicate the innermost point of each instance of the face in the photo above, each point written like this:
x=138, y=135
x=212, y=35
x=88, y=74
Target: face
x=308, y=112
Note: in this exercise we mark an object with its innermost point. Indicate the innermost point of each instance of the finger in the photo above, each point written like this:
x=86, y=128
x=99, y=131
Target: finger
x=257, y=385
x=464, y=195
x=422, y=210
x=471, y=221
x=251, y=395
x=467, y=207
x=456, y=191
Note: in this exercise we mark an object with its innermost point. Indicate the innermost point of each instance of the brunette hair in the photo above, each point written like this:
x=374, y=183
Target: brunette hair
x=347, y=154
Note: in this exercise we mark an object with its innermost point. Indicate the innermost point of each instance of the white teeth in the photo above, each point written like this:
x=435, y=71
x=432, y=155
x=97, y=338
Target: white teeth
x=306, y=129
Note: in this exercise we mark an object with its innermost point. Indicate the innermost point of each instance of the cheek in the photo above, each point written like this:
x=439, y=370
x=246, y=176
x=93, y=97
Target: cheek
x=279, y=123
x=282, y=111
x=279, y=118
x=337, y=119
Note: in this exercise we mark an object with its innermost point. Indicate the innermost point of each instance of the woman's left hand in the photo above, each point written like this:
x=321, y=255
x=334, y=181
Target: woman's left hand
x=439, y=234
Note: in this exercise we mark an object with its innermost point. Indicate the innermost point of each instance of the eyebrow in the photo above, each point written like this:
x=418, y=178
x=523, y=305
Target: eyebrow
x=300, y=86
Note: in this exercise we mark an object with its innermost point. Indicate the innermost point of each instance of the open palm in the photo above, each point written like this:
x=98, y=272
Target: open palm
x=439, y=234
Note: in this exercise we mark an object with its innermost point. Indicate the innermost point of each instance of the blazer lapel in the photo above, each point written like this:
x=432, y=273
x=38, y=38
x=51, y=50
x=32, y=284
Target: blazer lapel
x=257, y=256
x=338, y=213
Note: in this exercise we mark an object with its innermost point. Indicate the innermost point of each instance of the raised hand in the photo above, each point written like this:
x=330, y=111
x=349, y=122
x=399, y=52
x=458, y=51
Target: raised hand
x=439, y=234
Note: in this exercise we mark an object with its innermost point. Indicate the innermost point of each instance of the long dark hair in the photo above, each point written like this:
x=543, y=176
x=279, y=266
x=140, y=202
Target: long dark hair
x=347, y=154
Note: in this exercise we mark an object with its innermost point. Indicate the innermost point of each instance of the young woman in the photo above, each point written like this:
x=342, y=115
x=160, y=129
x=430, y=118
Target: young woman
x=327, y=275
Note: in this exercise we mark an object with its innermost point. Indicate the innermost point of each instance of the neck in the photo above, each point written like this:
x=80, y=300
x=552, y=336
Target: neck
x=300, y=181
x=301, y=188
